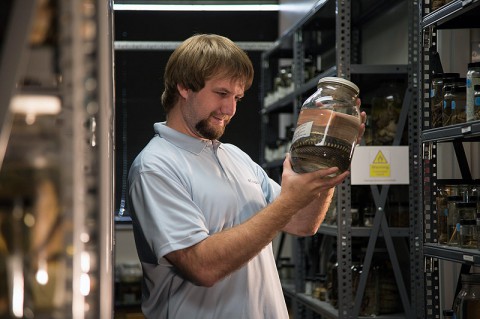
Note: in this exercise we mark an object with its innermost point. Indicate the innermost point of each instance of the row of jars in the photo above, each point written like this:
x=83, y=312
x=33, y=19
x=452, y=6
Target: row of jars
x=458, y=216
x=454, y=99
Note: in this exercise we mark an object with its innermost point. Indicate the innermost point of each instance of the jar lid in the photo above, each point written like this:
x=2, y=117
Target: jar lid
x=474, y=65
x=471, y=278
x=446, y=75
x=468, y=222
x=454, y=198
x=466, y=205
x=340, y=80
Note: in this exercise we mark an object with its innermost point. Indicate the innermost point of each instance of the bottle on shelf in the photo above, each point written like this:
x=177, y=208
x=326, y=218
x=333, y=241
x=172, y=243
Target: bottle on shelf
x=459, y=103
x=472, y=80
x=442, y=213
x=386, y=108
x=467, y=301
x=476, y=104
x=437, y=93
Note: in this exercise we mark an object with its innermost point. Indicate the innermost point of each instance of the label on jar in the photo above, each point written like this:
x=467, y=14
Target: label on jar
x=302, y=130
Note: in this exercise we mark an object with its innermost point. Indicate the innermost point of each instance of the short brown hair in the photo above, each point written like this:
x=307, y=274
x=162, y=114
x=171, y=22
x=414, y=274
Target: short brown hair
x=200, y=58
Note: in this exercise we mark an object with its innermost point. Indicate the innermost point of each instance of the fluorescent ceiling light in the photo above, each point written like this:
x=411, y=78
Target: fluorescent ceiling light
x=195, y=7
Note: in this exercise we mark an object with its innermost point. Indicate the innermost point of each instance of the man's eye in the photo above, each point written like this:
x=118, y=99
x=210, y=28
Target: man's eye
x=238, y=99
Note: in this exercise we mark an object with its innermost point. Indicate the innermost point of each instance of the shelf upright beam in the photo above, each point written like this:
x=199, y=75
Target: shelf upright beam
x=12, y=59
x=344, y=202
x=417, y=266
x=342, y=34
x=87, y=124
x=428, y=169
x=299, y=65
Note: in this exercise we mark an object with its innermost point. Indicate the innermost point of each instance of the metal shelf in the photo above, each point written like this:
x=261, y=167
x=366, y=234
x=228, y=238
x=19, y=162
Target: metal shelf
x=455, y=14
x=288, y=99
x=449, y=133
x=455, y=254
x=332, y=230
x=326, y=310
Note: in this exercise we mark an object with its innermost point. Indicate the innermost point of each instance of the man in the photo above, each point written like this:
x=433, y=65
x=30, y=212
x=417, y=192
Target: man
x=204, y=214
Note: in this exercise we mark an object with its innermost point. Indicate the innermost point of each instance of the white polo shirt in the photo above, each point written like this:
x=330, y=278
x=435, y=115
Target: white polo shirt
x=182, y=190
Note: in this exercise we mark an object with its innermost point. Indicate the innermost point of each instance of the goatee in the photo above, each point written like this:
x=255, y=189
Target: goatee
x=205, y=130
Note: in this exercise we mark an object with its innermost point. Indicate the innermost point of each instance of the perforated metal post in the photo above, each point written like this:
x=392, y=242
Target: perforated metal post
x=87, y=153
x=428, y=169
x=417, y=297
x=344, y=216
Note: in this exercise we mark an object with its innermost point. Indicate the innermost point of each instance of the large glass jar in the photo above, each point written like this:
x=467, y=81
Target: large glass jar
x=386, y=108
x=327, y=127
x=467, y=301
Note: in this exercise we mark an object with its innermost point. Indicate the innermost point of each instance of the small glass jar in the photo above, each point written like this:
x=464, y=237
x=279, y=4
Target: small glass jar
x=449, y=314
x=453, y=222
x=468, y=233
x=436, y=96
x=368, y=216
x=472, y=79
x=467, y=301
x=458, y=103
x=386, y=108
x=442, y=214
x=466, y=210
x=453, y=99
x=476, y=104
x=327, y=127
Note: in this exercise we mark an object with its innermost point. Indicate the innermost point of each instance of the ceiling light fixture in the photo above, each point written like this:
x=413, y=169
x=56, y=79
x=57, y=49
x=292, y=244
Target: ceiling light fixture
x=195, y=7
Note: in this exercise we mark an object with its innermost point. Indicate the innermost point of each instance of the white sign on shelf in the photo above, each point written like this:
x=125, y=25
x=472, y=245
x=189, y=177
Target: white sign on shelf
x=380, y=165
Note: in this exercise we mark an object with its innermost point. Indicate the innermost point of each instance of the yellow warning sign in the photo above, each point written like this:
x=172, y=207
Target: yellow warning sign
x=380, y=166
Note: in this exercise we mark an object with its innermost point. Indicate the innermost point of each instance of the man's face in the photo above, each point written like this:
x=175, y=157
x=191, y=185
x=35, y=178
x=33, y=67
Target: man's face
x=207, y=112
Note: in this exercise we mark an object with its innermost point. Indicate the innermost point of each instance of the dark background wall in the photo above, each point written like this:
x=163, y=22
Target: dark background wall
x=139, y=77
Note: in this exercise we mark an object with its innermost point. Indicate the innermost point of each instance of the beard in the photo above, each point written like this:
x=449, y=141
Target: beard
x=205, y=130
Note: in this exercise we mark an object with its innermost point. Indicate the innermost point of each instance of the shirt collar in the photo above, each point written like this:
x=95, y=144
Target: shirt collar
x=183, y=141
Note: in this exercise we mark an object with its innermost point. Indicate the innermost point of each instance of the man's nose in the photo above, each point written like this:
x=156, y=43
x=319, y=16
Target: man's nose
x=229, y=107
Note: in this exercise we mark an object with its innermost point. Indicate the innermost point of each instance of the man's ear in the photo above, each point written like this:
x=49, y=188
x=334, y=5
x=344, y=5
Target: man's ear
x=182, y=90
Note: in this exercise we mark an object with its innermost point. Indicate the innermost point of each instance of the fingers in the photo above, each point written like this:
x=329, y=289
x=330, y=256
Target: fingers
x=363, y=117
x=328, y=178
x=361, y=131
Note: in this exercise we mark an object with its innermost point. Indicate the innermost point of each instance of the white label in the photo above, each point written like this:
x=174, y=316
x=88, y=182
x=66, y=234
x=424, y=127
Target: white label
x=467, y=258
x=302, y=130
x=380, y=165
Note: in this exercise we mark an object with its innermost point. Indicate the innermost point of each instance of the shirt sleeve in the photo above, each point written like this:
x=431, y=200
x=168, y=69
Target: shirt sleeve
x=163, y=209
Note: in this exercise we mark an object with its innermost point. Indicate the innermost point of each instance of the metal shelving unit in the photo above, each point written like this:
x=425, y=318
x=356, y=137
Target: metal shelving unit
x=57, y=225
x=336, y=20
x=453, y=15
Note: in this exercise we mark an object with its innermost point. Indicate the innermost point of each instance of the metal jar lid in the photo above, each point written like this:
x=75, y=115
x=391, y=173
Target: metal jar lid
x=333, y=79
